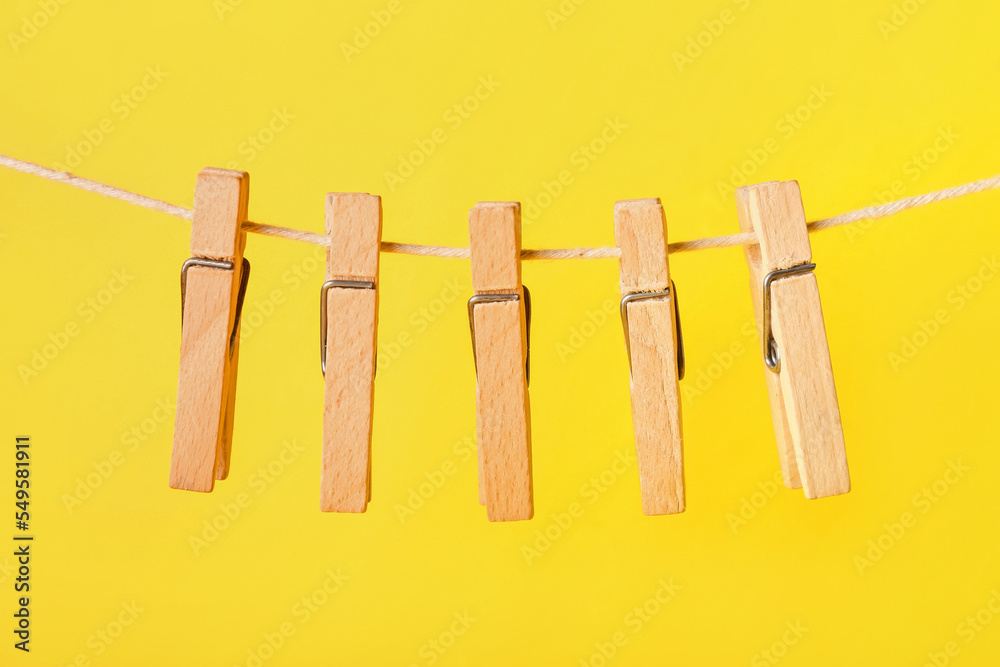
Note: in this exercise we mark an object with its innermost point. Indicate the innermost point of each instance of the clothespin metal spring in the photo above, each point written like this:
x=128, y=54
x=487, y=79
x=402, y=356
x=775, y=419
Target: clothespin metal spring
x=492, y=298
x=639, y=296
x=222, y=265
x=327, y=286
x=772, y=357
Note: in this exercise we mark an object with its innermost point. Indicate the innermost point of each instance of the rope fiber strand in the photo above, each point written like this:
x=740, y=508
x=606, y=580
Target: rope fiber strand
x=748, y=238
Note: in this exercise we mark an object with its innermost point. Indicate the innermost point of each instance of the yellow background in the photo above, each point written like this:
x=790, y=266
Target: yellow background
x=891, y=94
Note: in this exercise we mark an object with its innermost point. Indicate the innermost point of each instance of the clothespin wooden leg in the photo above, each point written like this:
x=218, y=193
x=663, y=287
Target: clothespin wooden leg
x=779, y=420
x=226, y=445
x=213, y=283
x=498, y=320
x=649, y=319
x=793, y=339
x=349, y=329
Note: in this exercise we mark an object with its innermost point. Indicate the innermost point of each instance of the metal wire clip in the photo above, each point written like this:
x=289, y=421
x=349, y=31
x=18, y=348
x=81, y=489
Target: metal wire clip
x=492, y=298
x=772, y=357
x=327, y=286
x=223, y=266
x=639, y=296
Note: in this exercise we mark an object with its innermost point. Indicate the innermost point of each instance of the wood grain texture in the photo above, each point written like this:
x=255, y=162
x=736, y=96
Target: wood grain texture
x=640, y=232
x=354, y=225
x=807, y=391
x=221, y=198
x=808, y=387
x=495, y=247
x=503, y=423
x=220, y=195
x=206, y=378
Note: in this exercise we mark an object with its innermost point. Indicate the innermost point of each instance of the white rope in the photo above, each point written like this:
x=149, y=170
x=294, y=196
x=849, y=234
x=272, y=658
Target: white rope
x=867, y=213
x=94, y=186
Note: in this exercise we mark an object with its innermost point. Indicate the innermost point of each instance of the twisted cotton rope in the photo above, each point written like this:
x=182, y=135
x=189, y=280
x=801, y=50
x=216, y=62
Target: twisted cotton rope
x=747, y=238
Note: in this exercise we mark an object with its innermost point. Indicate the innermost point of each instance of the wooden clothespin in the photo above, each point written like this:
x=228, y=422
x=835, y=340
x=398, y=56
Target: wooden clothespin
x=348, y=331
x=651, y=323
x=803, y=397
x=213, y=284
x=499, y=320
